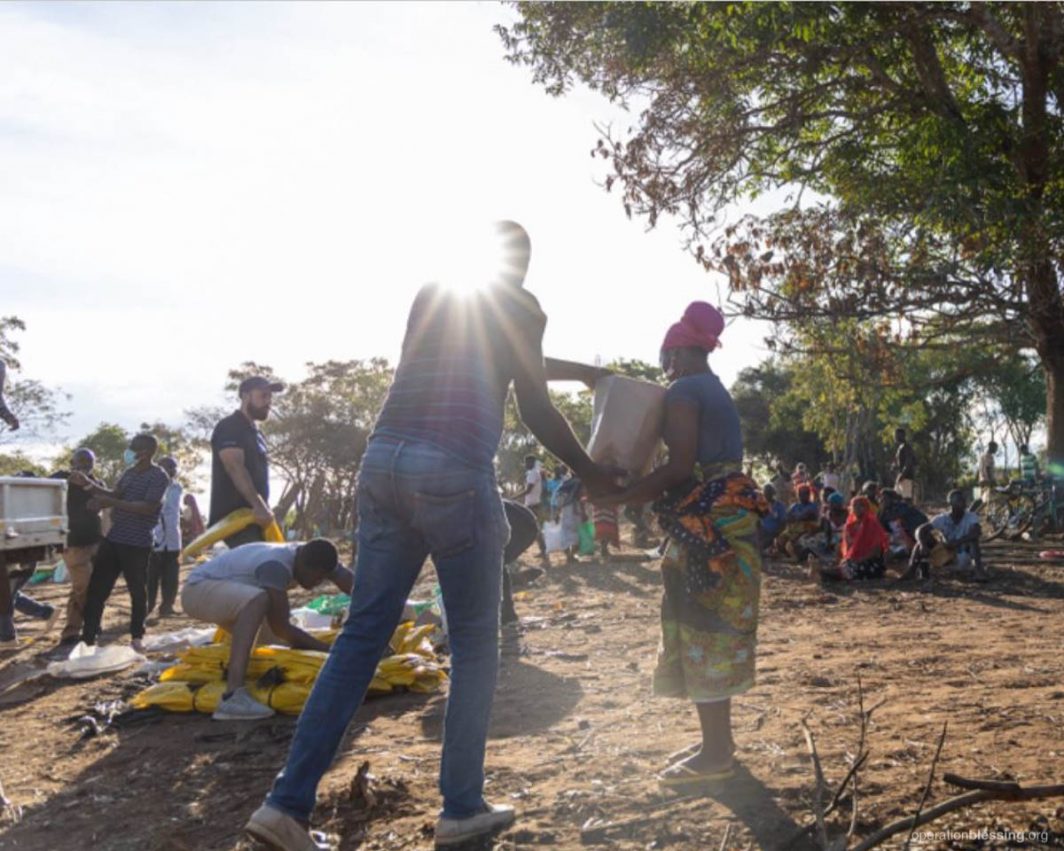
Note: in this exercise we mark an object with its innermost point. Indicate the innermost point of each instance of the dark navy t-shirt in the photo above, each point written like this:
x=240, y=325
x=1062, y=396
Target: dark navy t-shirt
x=236, y=432
x=720, y=437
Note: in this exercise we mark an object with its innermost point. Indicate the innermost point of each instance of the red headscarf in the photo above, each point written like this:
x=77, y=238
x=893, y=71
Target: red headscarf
x=700, y=328
x=863, y=535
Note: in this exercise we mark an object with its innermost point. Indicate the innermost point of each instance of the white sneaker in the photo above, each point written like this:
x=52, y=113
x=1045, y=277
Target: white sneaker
x=455, y=831
x=279, y=831
x=241, y=706
x=137, y=645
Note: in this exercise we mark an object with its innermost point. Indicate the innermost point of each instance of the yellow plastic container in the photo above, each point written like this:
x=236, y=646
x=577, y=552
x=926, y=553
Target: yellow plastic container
x=232, y=523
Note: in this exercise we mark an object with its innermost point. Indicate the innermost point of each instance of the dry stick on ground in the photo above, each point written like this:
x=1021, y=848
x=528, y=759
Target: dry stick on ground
x=1033, y=793
x=818, y=794
x=927, y=787
x=8, y=810
x=858, y=763
x=860, y=750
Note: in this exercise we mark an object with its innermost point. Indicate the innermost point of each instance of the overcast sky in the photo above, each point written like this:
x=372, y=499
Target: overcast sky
x=189, y=186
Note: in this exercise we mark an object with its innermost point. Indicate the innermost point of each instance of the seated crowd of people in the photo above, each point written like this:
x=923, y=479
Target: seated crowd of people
x=841, y=539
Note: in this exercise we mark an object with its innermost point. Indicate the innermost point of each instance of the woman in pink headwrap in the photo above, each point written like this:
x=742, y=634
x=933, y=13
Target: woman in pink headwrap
x=712, y=564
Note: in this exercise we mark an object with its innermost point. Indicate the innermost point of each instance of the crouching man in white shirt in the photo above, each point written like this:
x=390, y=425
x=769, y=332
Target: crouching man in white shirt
x=245, y=591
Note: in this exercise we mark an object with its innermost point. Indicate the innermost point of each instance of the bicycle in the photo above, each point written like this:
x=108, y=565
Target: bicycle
x=1020, y=507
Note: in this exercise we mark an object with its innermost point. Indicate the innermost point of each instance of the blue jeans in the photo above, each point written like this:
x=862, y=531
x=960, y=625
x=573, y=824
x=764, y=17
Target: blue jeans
x=413, y=501
x=26, y=605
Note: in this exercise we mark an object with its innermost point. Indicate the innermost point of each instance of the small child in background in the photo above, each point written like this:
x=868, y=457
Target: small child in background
x=607, y=529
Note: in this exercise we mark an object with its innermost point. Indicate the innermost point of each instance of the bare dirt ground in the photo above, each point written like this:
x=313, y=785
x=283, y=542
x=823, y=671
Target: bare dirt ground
x=577, y=739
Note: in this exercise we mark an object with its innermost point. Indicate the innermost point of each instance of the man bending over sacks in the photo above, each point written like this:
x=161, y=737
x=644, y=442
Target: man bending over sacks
x=245, y=590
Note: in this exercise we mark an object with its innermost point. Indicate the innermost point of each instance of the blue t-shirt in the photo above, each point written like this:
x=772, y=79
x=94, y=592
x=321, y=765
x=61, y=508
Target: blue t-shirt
x=776, y=518
x=720, y=437
x=802, y=512
x=459, y=357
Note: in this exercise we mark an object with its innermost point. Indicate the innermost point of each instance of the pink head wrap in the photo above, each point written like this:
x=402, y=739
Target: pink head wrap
x=700, y=328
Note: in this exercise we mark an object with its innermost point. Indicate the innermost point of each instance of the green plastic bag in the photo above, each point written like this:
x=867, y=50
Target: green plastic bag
x=587, y=538
x=330, y=604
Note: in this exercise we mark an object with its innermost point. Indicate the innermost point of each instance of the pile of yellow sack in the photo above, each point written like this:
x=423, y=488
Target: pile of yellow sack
x=282, y=678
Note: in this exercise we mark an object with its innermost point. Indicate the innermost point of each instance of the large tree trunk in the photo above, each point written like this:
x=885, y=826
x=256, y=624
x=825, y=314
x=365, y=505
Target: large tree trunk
x=1054, y=371
x=1037, y=269
x=287, y=500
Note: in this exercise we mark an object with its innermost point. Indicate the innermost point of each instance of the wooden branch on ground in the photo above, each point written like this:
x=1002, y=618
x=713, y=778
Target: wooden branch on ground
x=989, y=785
x=860, y=750
x=9, y=811
x=818, y=794
x=859, y=761
x=978, y=796
x=927, y=786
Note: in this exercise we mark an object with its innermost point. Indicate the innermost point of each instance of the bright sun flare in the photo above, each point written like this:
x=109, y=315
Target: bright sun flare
x=471, y=258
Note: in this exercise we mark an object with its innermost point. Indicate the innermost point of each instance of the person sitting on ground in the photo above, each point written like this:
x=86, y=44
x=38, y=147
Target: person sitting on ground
x=900, y=520
x=774, y=522
x=864, y=544
x=803, y=518
x=245, y=588
x=834, y=520
x=870, y=491
x=1029, y=471
x=950, y=540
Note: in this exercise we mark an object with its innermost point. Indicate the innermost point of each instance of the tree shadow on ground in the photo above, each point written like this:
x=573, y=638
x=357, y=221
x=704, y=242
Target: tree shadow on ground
x=1004, y=583
x=614, y=577
x=527, y=700
x=208, y=785
x=756, y=805
x=783, y=569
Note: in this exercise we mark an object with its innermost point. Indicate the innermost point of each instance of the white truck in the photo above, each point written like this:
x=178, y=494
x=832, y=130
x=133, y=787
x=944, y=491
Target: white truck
x=33, y=527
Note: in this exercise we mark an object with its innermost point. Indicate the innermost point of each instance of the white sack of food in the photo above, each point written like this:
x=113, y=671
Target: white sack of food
x=627, y=423
x=553, y=537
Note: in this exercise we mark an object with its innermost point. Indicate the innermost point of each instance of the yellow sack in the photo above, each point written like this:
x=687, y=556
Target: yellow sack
x=232, y=523
x=206, y=698
x=174, y=697
x=191, y=674
x=286, y=698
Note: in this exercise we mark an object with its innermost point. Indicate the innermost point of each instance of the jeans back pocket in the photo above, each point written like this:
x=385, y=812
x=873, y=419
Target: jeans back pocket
x=446, y=522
